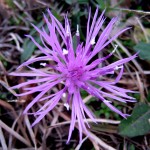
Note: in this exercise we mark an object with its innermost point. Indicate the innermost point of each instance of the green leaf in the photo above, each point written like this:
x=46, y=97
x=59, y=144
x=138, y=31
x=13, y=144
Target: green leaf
x=144, y=49
x=83, y=1
x=138, y=123
x=57, y=14
x=29, y=46
x=101, y=4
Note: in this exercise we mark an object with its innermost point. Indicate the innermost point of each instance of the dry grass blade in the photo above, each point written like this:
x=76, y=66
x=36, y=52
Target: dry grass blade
x=80, y=144
x=24, y=149
x=15, y=134
x=141, y=87
x=16, y=39
x=128, y=54
x=134, y=73
x=95, y=145
x=88, y=120
x=142, y=28
x=8, y=60
x=55, y=119
x=134, y=11
x=14, y=27
x=30, y=131
x=9, y=107
x=10, y=145
x=22, y=9
x=2, y=140
x=86, y=99
x=92, y=136
x=42, y=3
x=7, y=87
x=99, y=141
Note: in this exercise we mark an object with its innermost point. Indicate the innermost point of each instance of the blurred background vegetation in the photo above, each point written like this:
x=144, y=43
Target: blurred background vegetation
x=113, y=131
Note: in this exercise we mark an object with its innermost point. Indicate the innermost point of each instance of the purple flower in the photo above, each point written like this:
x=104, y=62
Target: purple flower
x=75, y=69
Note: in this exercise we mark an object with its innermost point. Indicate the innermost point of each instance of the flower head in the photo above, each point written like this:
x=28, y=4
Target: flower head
x=75, y=69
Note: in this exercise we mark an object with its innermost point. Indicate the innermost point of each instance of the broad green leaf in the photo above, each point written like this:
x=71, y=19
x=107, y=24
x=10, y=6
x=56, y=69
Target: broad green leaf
x=29, y=46
x=138, y=123
x=143, y=49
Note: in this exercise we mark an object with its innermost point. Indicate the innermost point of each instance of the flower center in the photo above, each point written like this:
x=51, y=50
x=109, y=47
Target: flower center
x=75, y=73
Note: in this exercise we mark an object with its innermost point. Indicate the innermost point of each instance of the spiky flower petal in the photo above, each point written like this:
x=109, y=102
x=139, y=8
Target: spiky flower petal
x=75, y=69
